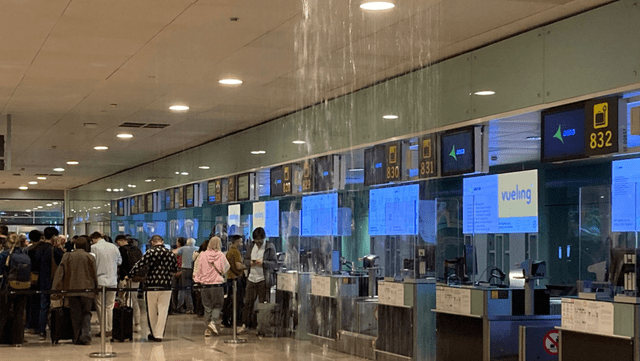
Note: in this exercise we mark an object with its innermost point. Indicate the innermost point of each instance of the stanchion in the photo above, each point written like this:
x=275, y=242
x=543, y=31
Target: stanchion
x=103, y=337
x=235, y=340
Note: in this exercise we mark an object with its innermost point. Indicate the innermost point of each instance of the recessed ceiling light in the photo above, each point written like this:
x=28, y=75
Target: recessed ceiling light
x=356, y=170
x=204, y=167
x=230, y=81
x=49, y=204
x=108, y=189
x=55, y=203
x=534, y=137
x=124, y=136
x=23, y=188
x=58, y=169
x=184, y=173
x=148, y=180
x=390, y=116
x=377, y=5
x=42, y=178
x=298, y=142
x=178, y=173
x=485, y=92
x=101, y=147
x=73, y=162
x=40, y=207
x=258, y=152
x=27, y=210
x=33, y=182
x=179, y=107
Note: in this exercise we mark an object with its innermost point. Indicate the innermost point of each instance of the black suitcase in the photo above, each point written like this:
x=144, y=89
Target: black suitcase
x=123, y=321
x=60, y=325
x=11, y=335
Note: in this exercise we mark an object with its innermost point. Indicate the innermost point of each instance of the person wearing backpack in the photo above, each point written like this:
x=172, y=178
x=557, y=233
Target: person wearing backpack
x=15, y=266
x=130, y=256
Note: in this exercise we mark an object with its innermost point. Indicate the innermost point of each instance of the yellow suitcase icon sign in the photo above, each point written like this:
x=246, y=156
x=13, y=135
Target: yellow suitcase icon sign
x=600, y=116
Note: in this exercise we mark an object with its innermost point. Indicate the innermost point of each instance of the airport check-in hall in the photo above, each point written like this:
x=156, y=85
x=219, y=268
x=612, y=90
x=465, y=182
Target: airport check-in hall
x=378, y=180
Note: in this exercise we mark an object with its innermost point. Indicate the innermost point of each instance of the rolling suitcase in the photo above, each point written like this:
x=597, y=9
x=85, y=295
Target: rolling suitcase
x=270, y=320
x=60, y=324
x=123, y=320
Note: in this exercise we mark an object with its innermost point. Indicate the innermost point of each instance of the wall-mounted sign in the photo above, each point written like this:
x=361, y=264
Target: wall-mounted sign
x=393, y=162
x=601, y=126
x=374, y=170
x=231, y=189
x=563, y=133
x=324, y=173
x=179, y=197
x=244, y=186
x=189, y=195
x=428, y=165
x=133, y=205
x=308, y=173
x=169, y=199
x=458, y=152
x=276, y=176
x=214, y=188
x=121, y=203
x=140, y=203
x=287, y=179
x=148, y=204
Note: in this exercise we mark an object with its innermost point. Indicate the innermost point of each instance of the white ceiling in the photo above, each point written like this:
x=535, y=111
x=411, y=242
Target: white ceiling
x=64, y=62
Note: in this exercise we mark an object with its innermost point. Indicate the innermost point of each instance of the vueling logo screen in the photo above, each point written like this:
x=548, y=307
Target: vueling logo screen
x=518, y=194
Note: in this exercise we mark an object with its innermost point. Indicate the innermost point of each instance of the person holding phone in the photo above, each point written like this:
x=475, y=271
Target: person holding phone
x=261, y=262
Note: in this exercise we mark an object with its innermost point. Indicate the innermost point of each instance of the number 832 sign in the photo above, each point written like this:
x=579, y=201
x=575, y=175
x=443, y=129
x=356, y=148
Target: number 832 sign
x=601, y=125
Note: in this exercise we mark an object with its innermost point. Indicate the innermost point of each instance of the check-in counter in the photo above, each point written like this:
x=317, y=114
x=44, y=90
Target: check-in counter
x=600, y=330
x=406, y=324
x=483, y=323
x=292, y=291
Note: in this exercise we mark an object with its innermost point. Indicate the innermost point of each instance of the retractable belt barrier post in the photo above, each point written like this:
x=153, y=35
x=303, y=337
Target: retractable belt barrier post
x=103, y=338
x=235, y=316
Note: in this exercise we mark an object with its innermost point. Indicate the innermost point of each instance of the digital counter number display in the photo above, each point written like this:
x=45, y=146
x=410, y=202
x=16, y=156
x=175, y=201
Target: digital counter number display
x=601, y=126
x=428, y=160
x=394, y=162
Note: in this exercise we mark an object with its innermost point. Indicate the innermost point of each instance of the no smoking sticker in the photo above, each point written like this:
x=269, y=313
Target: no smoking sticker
x=551, y=342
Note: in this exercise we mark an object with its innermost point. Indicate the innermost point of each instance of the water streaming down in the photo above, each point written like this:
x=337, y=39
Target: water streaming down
x=342, y=53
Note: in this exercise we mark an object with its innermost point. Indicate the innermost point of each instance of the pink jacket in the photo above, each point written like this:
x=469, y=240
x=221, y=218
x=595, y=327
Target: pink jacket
x=206, y=273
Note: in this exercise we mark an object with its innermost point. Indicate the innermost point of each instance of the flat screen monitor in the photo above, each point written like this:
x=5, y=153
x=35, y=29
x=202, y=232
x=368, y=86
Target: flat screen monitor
x=267, y=216
x=625, y=195
x=320, y=215
x=121, y=207
x=458, y=152
x=393, y=211
x=189, y=195
x=179, y=197
x=140, y=204
x=133, y=205
x=149, y=203
x=374, y=172
x=277, y=175
x=244, y=187
x=500, y=203
x=169, y=199
x=324, y=173
x=563, y=132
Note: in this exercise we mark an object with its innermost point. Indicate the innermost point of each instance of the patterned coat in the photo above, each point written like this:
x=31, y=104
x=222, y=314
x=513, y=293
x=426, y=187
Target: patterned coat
x=162, y=265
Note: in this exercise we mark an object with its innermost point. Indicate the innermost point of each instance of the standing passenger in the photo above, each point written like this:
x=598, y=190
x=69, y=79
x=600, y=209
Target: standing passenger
x=33, y=300
x=130, y=256
x=107, y=261
x=235, y=274
x=261, y=261
x=46, y=259
x=212, y=265
x=77, y=271
x=162, y=266
x=13, y=305
x=186, y=273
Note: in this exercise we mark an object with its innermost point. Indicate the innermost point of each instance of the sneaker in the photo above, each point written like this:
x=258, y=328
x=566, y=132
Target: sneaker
x=43, y=336
x=212, y=327
x=207, y=333
x=242, y=329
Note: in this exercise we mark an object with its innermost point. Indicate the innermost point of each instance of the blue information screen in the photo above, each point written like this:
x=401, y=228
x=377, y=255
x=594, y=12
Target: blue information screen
x=320, y=215
x=505, y=203
x=393, y=210
x=563, y=136
x=625, y=195
x=458, y=153
x=272, y=218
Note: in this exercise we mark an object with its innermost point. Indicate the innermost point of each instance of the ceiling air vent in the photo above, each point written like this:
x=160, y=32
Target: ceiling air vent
x=131, y=125
x=156, y=126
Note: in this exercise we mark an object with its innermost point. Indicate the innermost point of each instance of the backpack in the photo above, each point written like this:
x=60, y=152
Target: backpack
x=134, y=254
x=19, y=276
